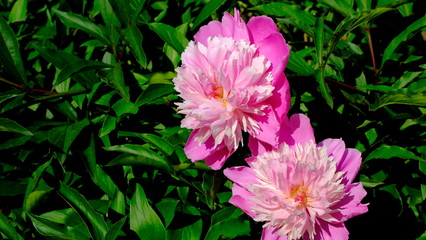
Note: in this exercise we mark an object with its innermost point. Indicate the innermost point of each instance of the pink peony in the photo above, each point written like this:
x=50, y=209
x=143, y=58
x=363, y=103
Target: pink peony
x=301, y=190
x=232, y=80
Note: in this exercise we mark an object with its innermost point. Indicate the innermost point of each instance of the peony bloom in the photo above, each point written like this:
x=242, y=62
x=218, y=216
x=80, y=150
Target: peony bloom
x=301, y=190
x=232, y=80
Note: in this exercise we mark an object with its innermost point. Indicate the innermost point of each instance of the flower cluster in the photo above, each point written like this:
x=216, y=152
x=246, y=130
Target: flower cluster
x=232, y=82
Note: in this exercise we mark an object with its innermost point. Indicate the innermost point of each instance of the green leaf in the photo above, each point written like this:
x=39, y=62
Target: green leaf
x=211, y=7
x=138, y=155
x=351, y=22
x=228, y=228
x=18, y=12
x=143, y=219
x=77, y=21
x=79, y=67
x=108, y=125
x=8, y=125
x=133, y=37
x=323, y=87
x=63, y=136
x=116, y=78
x=404, y=36
x=108, y=14
x=64, y=60
x=11, y=188
x=388, y=152
x=49, y=228
x=122, y=107
x=7, y=229
x=170, y=35
x=404, y=99
x=297, y=64
x=115, y=229
x=291, y=11
x=167, y=208
x=158, y=142
x=319, y=41
x=340, y=5
x=93, y=220
x=153, y=92
x=127, y=11
x=10, y=56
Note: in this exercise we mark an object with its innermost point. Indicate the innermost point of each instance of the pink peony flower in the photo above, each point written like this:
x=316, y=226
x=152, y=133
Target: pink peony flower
x=232, y=80
x=301, y=190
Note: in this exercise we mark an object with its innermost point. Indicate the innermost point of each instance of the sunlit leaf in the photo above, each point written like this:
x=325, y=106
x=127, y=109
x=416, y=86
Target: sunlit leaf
x=18, y=12
x=7, y=229
x=170, y=35
x=388, y=152
x=143, y=219
x=154, y=91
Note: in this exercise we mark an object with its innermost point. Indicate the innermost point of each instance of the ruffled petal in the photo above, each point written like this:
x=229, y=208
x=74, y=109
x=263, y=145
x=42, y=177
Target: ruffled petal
x=258, y=147
x=269, y=127
x=268, y=233
x=217, y=158
x=240, y=197
x=327, y=231
x=297, y=129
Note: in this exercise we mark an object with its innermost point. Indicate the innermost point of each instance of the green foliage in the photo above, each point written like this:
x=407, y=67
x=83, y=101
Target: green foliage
x=91, y=146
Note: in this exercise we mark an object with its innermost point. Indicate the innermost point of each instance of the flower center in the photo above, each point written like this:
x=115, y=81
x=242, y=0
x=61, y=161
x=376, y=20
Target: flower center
x=298, y=194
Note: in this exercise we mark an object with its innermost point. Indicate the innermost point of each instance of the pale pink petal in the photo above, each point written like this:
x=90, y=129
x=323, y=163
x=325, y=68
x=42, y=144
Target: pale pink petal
x=351, y=205
x=213, y=28
x=297, y=129
x=327, y=231
x=261, y=27
x=240, y=198
x=234, y=26
x=275, y=49
x=335, y=148
x=241, y=175
x=268, y=233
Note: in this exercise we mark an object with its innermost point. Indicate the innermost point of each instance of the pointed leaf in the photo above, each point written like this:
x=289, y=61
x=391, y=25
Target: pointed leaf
x=389, y=151
x=18, y=12
x=153, y=92
x=115, y=229
x=143, y=219
x=93, y=220
x=133, y=37
x=7, y=229
x=77, y=21
x=8, y=125
x=211, y=7
x=170, y=35
x=10, y=55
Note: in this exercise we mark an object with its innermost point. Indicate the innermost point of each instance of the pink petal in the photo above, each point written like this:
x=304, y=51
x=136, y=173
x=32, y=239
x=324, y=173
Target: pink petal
x=268, y=234
x=261, y=27
x=327, y=231
x=243, y=176
x=351, y=205
x=214, y=156
x=275, y=49
x=240, y=198
x=234, y=26
x=269, y=127
x=213, y=28
x=297, y=130
x=280, y=99
x=217, y=158
x=257, y=147
x=350, y=163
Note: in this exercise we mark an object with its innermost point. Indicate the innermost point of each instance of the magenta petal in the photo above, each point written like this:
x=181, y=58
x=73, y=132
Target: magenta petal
x=297, y=130
x=240, y=198
x=280, y=99
x=327, y=231
x=257, y=147
x=268, y=233
x=243, y=176
x=261, y=27
x=335, y=148
x=269, y=127
x=218, y=157
x=215, y=157
x=275, y=49
x=214, y=28
x=351, y=205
